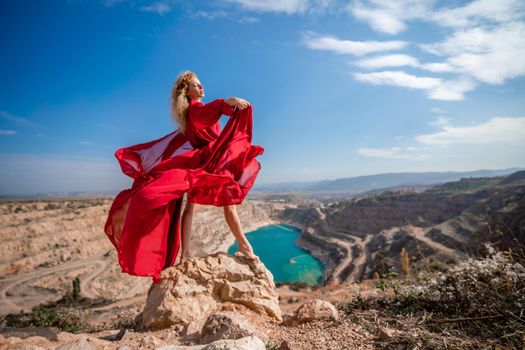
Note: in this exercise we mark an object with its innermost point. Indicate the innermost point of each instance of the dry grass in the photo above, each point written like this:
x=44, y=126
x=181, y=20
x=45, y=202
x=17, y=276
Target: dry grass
x=480, y=302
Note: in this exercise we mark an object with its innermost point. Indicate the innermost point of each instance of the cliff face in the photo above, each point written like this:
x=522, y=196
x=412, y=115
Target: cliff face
x=47, y=244
x=437, y=227
x=503, y=212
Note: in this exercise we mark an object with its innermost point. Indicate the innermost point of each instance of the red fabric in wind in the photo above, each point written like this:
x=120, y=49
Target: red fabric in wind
x=215, y=167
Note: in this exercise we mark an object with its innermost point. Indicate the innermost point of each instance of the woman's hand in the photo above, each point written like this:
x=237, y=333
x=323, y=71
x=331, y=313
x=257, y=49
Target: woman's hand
x=237, y=102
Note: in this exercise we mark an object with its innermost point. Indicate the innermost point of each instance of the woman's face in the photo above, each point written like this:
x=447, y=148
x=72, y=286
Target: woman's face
x=195, y=89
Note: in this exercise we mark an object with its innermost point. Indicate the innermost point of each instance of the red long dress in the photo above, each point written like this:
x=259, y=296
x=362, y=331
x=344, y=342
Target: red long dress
x=215, y=167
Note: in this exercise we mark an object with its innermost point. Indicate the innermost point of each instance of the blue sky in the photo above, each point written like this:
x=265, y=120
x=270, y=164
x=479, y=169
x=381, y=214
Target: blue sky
x=338, y=88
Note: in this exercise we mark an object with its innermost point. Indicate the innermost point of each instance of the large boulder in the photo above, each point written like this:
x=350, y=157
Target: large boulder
x=246, y=343
x=189, y=292
x=316, y=309
x=229, y=325
x=313, y=310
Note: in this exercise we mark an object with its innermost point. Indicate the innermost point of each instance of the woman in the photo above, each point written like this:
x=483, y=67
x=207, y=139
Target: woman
x=212, y=166
x=186, y=100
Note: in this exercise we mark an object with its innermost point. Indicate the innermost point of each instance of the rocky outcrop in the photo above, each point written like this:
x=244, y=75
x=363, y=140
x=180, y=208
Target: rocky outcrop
x=246, y=343
x=316, y=310
x=189, y=292
x=313, y=310
x=229, y=325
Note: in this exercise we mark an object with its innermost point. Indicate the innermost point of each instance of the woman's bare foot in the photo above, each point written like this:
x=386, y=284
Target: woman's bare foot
x=247, y=251
x=185, y=256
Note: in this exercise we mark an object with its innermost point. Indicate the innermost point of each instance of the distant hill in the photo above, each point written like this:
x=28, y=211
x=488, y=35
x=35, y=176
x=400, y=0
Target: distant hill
x=343, y=188
x=56, y=195
x=365, y=183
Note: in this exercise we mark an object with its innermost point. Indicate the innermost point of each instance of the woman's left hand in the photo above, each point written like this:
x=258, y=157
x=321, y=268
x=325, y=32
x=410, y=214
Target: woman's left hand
x=238, y=102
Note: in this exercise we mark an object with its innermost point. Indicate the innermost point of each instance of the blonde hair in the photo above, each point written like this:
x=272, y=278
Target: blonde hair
x=179, y=100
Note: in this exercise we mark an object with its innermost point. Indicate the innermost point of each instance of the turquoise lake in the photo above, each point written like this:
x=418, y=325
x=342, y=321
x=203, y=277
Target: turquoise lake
x=275, y=245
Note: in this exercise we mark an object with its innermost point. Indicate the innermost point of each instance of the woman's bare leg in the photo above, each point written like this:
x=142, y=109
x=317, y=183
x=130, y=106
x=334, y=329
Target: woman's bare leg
x=187, y=218
x=232, y=219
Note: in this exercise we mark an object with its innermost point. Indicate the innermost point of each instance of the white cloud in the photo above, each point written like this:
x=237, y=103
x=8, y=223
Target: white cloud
x=287, y=6
x=437, y=67
x=396, y=60
x=451, y=90
x=436, y=110
x=389, y=16
x=489, y=55
x=505, y=130
x=381, y=21
x=159, y=7
x=7, y=132
x=500, y=139
x=479, y=12
x=211, y=15
x=485, y=40
x=109, y=3
x=440, y=121
x=398, y=78
x=437, y=88
x=412, y=148
x=318, y=6
x=399, y=60
x=315, y=41
x=392, y=152
x=18, y=121
x=249, y=20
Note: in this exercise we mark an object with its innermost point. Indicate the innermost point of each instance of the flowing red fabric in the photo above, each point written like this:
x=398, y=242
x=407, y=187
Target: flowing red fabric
x=213, y=166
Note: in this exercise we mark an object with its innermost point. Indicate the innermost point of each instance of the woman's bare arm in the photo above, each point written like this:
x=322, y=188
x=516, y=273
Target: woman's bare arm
x=237, y=102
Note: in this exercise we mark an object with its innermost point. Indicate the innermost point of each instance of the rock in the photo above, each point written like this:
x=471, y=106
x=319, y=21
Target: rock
x=246, y=343
x=191, y=331
x=289, y=319
x=65, y=256
x=285, y=346
x=191, y=291
x=149, y=340
x=23, y=333
x=115, y=335
x=312, y=310
x=292, y=300
x=84, y=342
x=28, y=347
x=386, y=333
x=228, y=325
x=66, y=337
x=12, y=340
x=79, y=344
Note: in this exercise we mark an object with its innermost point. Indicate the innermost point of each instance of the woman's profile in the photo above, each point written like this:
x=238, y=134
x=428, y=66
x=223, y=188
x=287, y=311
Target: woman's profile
x=212, y=166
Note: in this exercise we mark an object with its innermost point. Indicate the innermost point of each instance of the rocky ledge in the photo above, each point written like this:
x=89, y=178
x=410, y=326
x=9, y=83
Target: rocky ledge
x=219, y=301
x=193, y=293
